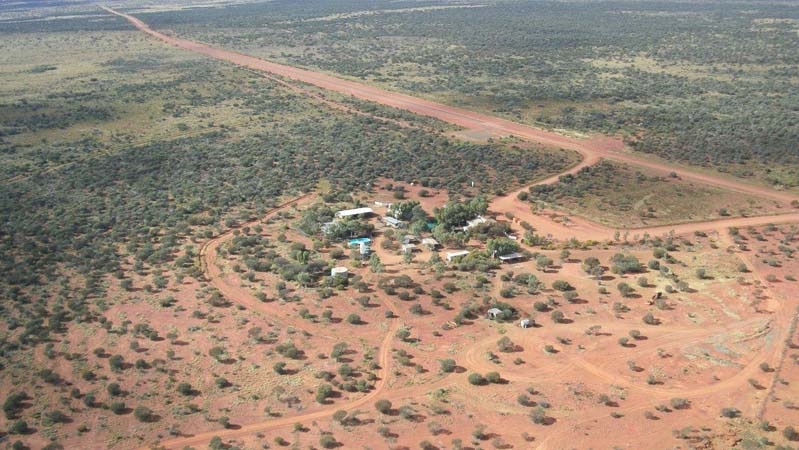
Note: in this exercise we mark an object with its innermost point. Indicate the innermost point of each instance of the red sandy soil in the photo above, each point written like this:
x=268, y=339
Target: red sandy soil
x=599, y=363
x=596, y=147
x=231, y=289
x=592, y=150
x=708, y=386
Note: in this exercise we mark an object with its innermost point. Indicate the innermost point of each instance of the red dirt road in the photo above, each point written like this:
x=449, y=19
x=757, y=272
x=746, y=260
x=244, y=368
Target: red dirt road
x=596, y=147
x=592, y=150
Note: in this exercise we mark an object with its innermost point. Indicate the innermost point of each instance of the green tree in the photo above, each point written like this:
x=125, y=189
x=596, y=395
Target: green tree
x=501, y=246
x=323, y=392
x=354, y=319
x=476, y=379
x=144, y=414
x=375, y=264
x=448, y=365
x=185, y=389
x=383, y=406
x=403, y=210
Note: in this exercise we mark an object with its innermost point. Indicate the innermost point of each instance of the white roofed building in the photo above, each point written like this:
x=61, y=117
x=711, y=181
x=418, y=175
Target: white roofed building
x=451, y=256
x=354, y=212
x=392, y=222
x=474, y=222
x=510, y=257
x=339, y=271
x=430, y=243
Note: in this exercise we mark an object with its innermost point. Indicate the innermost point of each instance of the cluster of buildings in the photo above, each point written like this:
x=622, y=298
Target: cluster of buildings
x=410, y=242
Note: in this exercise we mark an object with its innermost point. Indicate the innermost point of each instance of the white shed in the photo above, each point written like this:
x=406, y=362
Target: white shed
x=339, y=271
x=430, y=243
x=451, y=256
x=393, y=223
x=474, y=222
x=515, y=256
x=364, y=249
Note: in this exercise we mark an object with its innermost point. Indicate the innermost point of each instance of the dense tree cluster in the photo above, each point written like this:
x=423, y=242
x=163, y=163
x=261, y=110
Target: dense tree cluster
x=456, y=214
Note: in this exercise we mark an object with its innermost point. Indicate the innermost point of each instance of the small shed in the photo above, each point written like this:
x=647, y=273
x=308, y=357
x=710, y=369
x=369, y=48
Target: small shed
x=525, y=323
x=511, y=257
x=493, y=313
x=408, y=248
x=339, y=271
x=474, y=222
x=393, y=223
x=430, y=243
x=409, y=239
x=451, y=256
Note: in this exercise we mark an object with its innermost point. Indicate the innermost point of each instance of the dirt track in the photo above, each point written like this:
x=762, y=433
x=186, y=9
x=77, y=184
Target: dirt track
x=232, y=290
x=592, y=151
x=597, y=147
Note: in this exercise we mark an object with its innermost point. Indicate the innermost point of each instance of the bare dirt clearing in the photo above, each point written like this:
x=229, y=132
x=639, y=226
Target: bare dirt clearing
x=696, y=352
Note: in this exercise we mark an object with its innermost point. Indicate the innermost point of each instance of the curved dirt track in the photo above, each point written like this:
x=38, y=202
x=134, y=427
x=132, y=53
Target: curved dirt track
x=207, y=257
x=596, y=147
x=592, y=151
x=384, y=359
x=210, y=251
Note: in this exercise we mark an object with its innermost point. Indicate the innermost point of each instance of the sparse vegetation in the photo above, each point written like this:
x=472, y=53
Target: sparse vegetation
x=172, y=255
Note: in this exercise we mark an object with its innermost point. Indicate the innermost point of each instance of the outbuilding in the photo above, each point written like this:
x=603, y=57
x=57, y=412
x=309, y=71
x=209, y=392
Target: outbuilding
x=354, y=212
x=474, y=222
x=493, y=313
x=339, y=271
x=430, y=243
x=525, y=323
x=451, y=256
x=511, y=257
x=408, y=248
x=394, y=223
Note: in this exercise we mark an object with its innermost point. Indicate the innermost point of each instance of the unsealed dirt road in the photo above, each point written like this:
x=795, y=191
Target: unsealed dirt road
x=595, y=147
x=592, y=150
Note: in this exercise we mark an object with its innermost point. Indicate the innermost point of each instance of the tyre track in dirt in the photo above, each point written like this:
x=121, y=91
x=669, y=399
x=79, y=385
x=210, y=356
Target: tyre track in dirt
x=384, y=360
x=209, y=252
x=787, y=329
x=781, y=326
x=595, y=147
x=592, y=151
x=207, y=260
x=474, y=360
